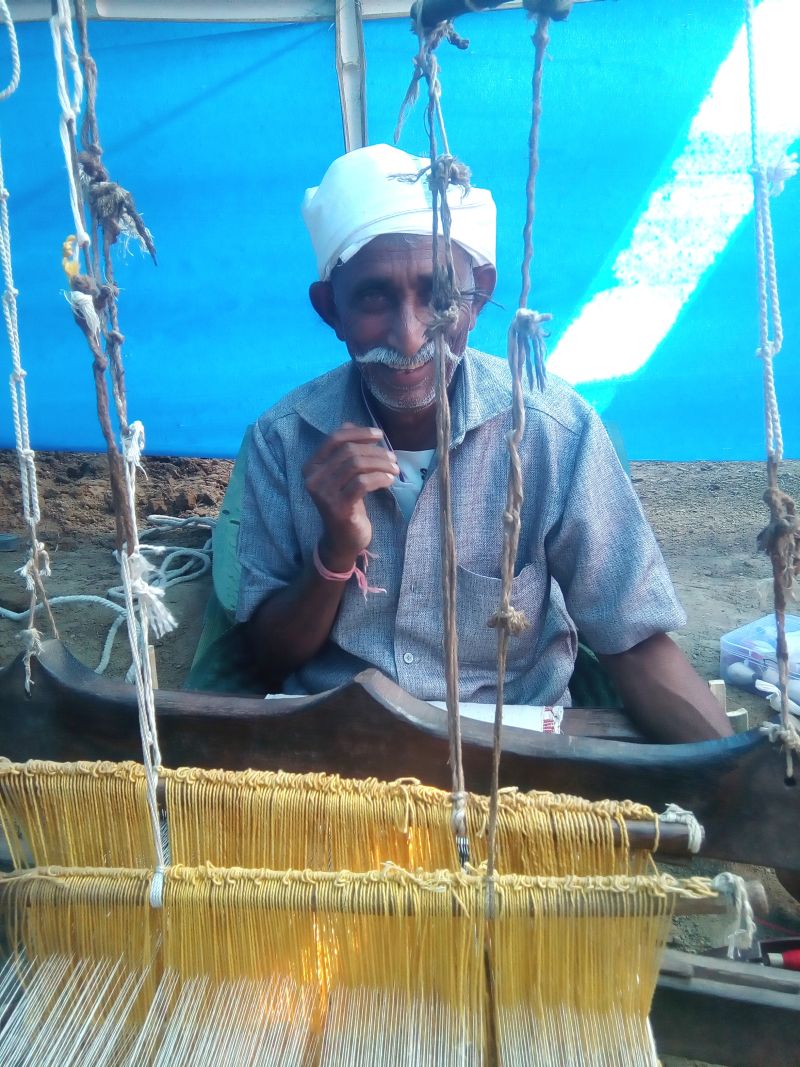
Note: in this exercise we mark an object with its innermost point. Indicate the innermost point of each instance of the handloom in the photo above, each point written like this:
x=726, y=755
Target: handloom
x=376, y=936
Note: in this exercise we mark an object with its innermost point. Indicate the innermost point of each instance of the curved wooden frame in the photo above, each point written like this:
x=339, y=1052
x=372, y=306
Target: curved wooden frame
x=735, y=786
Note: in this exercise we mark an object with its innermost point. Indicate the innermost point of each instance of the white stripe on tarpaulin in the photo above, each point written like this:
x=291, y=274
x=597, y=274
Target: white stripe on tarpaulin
x=691, y=218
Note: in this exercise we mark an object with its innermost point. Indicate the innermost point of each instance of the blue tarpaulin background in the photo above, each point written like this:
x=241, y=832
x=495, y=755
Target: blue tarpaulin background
x=218, y=129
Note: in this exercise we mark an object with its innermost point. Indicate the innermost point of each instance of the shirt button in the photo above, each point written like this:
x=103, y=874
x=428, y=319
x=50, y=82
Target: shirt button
x=407, y=657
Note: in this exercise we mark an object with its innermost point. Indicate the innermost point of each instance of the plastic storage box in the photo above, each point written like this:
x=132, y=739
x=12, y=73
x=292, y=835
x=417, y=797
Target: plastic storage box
x=748, y=654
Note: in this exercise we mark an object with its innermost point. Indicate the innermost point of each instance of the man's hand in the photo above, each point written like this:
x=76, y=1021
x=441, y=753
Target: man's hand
x=351, y=463
x=291, y=627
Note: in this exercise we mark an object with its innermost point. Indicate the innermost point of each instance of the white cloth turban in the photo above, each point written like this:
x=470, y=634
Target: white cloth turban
x=362, y=197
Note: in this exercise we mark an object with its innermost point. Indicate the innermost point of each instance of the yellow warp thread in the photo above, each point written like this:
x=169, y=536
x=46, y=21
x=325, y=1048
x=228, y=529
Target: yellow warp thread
x=386, y=953
x=95, y=814
x=324, y=822
x=75, y=814
x=344, y=968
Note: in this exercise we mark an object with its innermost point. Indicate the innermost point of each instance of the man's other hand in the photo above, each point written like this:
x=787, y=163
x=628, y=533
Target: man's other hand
x=352, y=462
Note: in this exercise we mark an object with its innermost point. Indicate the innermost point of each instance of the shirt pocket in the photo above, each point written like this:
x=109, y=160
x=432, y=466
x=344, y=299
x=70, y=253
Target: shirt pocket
x=478, y=598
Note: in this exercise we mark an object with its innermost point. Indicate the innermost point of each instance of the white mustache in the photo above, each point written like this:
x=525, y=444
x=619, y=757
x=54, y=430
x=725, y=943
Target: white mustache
x=390, y=357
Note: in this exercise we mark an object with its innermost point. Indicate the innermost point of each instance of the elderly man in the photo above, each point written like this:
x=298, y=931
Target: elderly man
x=339, y=470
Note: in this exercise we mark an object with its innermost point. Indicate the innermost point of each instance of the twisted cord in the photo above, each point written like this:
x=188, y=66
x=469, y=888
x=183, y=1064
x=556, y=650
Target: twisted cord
x=444, y=301
x=64, y=48
x=11, y=88
x=781, y=538
x=112, y=209
x=525, y=336
x=37, y=566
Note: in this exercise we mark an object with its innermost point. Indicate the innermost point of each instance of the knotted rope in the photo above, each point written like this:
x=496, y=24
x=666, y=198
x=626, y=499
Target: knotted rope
x=780, y=540
x=444, y=171
x=526, y=350
x=93, y=297
x=37, y=566
x=741, y=937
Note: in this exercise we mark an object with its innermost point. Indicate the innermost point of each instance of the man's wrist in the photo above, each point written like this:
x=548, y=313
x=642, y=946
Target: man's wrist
x=336, y=560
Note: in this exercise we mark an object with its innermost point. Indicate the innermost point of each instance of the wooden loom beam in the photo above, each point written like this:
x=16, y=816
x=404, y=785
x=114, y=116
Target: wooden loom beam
x=735, y=786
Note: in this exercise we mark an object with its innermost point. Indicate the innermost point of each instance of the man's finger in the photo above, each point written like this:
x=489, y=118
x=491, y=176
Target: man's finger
x=347, y=434
x=358, y=487
x=348, y=460
x=328, y=482
x=344, y=465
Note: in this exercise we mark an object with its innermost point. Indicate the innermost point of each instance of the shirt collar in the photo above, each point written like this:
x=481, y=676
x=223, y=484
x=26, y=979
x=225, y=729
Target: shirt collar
x=479, y=394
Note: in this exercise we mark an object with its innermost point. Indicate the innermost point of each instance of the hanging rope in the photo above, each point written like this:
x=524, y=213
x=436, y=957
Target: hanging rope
x=37, y=566
x=526, y=351
x=780, y=540
x=444, y=171
x=93, y=296
x=66, y=57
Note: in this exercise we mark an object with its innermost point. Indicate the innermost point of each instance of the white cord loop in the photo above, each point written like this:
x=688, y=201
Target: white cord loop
x=11, y=88
x=676, y=814
x=742, y=936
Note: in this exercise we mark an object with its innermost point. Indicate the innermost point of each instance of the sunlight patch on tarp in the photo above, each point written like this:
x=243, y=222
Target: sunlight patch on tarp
x=690, y=219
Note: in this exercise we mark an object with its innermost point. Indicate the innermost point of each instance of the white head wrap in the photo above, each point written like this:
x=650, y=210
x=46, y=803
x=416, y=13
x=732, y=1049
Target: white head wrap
x=362, y=196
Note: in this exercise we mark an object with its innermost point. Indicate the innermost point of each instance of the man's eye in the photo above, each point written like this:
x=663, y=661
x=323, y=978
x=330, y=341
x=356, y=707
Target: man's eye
x=372, y=299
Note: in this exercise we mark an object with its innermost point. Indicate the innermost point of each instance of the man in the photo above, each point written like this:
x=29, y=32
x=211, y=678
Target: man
x=338, y=477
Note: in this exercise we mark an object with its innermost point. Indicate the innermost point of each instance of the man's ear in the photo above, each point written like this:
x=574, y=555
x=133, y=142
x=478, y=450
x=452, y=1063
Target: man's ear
x=322, y=300
x=485, y=281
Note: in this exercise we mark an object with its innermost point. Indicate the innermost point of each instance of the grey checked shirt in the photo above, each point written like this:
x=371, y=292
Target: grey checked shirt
x=587, y=556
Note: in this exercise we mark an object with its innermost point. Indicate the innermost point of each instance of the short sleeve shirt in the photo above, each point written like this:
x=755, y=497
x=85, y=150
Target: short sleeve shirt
x=588, y=560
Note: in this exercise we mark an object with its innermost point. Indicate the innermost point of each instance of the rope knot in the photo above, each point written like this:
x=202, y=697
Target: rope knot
x=780, y=539
x=32, y=639
x=133, y=444
x=509, y=619
x=111, y=205
x=85, y=313
x=741, y=938
x=767, y=351
x=526, y=344
x=789, y=737
x=150, y=597
x=447, y=170
x=677, y=814
x=777, y=174
x=528, y=323
x=444, y=320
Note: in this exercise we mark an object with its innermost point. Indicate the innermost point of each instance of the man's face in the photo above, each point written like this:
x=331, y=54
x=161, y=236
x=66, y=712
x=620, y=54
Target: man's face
x=382, y=301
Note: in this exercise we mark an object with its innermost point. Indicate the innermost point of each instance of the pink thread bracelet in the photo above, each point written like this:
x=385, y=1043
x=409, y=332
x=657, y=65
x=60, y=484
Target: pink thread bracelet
x=345, y=576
